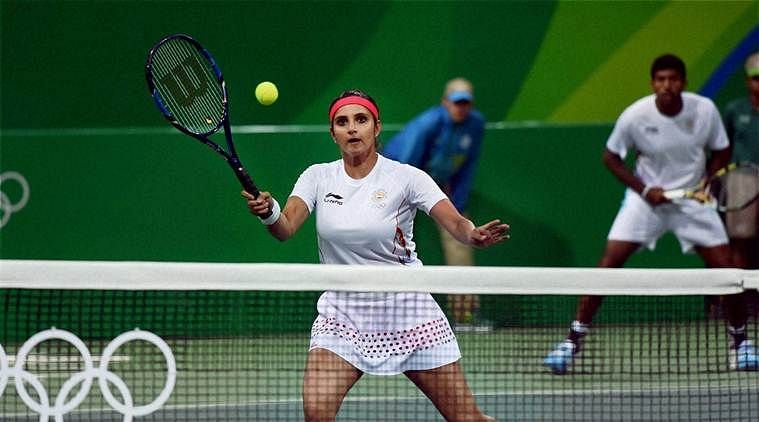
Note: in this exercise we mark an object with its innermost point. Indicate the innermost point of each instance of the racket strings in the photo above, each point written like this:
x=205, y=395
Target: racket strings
x=740, y=187
x=187, y=83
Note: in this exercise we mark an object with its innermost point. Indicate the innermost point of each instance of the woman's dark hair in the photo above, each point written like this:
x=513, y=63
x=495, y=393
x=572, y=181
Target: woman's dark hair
x=668, y=61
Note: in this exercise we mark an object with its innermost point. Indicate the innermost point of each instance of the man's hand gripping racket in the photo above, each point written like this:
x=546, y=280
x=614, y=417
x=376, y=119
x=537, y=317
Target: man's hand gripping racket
x=189, y=90
x=731, y=188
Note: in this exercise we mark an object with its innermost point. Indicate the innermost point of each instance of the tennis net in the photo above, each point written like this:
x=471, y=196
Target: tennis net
x=147, y=341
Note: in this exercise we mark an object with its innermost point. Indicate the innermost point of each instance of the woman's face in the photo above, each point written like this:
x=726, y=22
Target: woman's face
x=354, y=130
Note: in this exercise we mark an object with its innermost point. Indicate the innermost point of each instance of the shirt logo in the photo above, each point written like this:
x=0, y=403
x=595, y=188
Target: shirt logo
x=378, y=198
x=690, y=125
x=333, y=198
x=465, y=142
x=651, y=130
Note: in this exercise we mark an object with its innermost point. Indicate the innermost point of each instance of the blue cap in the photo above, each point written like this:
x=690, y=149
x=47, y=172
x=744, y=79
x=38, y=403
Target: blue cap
x=457, y=96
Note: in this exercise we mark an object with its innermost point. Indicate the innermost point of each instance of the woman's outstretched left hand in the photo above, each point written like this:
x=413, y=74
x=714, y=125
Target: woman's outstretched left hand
x=489, y=234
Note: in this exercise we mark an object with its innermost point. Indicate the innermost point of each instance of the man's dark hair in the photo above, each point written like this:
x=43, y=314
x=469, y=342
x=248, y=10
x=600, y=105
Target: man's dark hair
x=668, y=61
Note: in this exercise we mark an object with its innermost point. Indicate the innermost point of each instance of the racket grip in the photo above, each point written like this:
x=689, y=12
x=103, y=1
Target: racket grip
x=246, y=181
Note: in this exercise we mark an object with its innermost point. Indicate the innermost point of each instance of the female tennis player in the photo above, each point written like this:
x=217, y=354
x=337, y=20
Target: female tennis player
x=365, y=206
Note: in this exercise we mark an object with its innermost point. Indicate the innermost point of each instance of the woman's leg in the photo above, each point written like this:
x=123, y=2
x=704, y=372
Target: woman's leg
x=327, y=380
x=446, y=387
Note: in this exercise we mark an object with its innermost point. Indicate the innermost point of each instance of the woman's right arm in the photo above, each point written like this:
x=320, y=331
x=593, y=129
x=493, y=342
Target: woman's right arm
x=290, y=219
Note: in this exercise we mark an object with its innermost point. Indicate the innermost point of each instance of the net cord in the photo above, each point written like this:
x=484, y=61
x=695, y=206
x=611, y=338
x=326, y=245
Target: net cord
x=146, y=275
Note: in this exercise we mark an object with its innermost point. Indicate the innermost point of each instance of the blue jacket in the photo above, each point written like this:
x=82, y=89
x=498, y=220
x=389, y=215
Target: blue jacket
x=446, y=151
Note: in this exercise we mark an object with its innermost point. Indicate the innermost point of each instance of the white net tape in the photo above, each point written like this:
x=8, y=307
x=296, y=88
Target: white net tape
x=139, y=275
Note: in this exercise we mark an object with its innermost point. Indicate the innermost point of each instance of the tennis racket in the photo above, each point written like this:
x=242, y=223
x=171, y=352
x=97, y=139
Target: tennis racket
x=731, y=188
x=189, y=90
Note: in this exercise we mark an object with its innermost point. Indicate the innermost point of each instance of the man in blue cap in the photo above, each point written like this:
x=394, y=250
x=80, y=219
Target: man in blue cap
x=445, y=142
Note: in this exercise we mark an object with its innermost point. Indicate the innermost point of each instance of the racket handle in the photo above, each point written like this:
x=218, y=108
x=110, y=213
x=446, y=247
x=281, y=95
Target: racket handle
x=245, y=180
x=242, y=175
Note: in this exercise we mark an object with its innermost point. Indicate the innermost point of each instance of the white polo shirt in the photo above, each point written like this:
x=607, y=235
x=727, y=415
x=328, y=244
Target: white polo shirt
x=671, y=149
x=369, y=220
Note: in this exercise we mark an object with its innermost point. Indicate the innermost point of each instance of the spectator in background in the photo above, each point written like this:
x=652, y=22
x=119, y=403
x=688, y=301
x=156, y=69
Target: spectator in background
x=741, y=119
x=669, y=131
x=445, y=142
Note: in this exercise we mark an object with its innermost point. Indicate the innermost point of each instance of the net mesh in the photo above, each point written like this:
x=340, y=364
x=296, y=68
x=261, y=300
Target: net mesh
x=99, y=341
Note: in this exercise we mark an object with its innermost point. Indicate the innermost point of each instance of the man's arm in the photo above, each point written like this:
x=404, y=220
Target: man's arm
x=617, y=167
x=653, y=194
x=720, y=158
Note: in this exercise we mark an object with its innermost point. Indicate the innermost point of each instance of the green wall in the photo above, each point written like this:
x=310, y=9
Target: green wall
x=164, y=196
x=80, y=63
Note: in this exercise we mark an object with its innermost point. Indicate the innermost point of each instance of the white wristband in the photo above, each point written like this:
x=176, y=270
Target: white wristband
x=275, y=213
x=645, y=191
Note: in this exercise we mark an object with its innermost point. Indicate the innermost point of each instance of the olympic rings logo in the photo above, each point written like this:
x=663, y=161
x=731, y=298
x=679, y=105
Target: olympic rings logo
x=6, y=206
x=85, y=377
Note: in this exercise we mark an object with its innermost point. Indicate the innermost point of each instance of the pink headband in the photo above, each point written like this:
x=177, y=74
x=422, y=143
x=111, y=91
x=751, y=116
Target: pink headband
x=353, y=99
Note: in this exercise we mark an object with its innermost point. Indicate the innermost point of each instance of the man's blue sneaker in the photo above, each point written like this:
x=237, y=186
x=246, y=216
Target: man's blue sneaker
x=560, y=358
x=744, y=357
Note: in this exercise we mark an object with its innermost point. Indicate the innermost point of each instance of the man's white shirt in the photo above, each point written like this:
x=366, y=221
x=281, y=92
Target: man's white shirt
x=671, y=149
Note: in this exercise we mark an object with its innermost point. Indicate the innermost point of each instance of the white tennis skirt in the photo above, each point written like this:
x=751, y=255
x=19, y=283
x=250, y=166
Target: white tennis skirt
x=384, y=333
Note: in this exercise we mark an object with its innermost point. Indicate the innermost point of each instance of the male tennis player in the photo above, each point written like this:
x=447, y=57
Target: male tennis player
x=670, y=131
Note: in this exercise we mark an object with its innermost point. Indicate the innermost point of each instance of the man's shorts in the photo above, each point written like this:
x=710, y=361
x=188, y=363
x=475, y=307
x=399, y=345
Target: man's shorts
x=691, y=222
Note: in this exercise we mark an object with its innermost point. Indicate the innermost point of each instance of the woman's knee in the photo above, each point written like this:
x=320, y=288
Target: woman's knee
x=319, y=409
x=326, y=382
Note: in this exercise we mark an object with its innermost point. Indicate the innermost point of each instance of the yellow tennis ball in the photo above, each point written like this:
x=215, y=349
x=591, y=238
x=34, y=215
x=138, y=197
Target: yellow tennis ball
x=266, y=93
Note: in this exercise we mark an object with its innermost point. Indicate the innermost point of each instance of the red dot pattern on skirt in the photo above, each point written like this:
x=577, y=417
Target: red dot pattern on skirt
x=380, y=344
